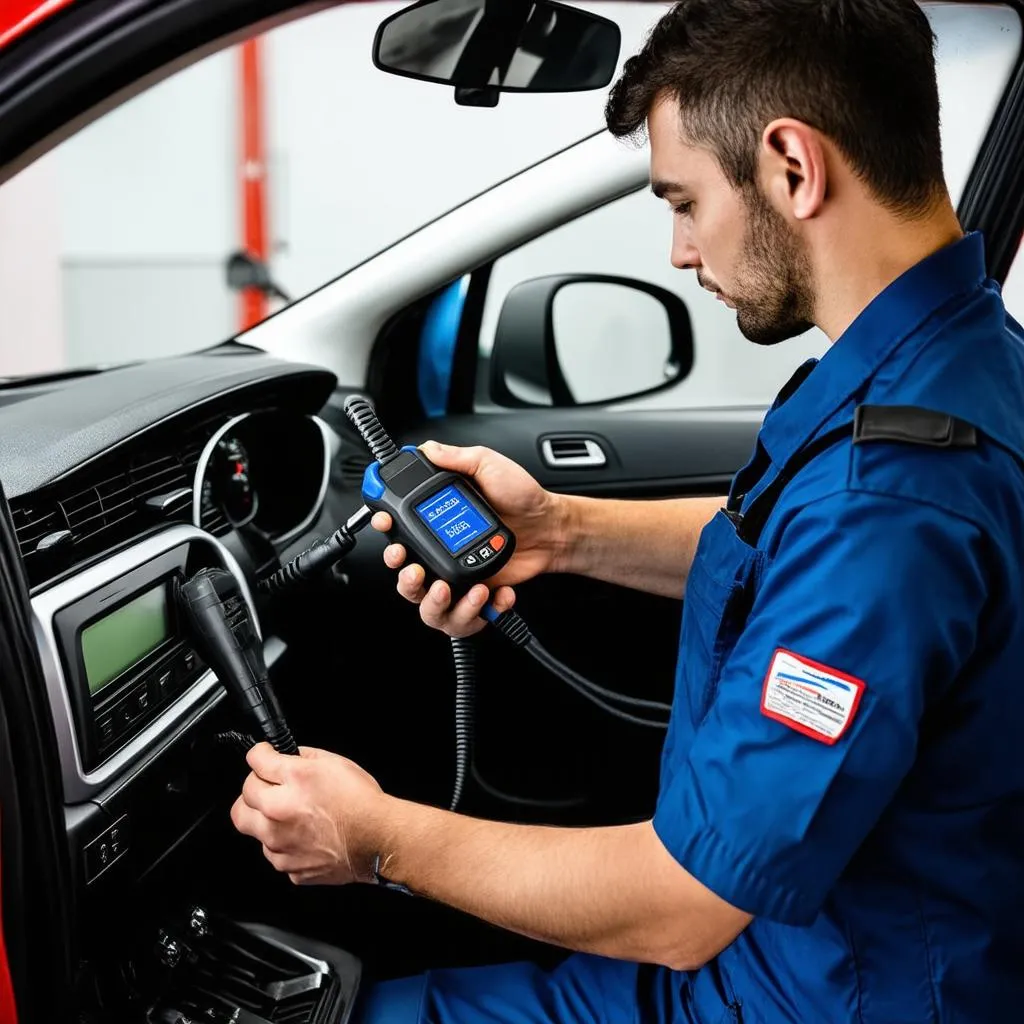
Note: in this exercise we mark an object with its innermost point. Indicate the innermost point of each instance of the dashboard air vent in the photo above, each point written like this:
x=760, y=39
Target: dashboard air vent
x=92, y=511
x=116, y=504
x=35, y=522
x=352, y=469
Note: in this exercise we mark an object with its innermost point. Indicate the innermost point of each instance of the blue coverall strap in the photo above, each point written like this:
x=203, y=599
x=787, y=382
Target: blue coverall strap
x=903, y=424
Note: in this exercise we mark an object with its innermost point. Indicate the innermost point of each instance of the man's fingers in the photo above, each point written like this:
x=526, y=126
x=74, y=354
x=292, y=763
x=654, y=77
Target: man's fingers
x=381, y=521
x=410, y=583
x=246, y=820
x=434, y=606
x=394, y=556
x=462, y=460
x=262, y=796
x=267, y=763
x=460, y=619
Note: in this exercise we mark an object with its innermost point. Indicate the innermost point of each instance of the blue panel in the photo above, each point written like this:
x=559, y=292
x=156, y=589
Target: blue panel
x=373, y=486
x=437, y=347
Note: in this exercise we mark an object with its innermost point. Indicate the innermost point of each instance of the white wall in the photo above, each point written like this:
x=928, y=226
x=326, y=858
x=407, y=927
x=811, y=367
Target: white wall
x=31, y=310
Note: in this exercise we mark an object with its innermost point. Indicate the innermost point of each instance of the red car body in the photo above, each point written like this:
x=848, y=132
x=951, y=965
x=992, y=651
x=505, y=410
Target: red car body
x=17, y=16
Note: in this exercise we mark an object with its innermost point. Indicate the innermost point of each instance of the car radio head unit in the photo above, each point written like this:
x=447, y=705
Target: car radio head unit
x=123, y=638
x=125, y=655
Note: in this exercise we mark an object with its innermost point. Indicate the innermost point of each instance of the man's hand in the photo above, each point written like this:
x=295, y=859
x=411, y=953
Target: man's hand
x=537, y=517
x=312, y=814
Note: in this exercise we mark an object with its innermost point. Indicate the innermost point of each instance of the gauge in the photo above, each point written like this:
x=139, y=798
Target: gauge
x=232, y=482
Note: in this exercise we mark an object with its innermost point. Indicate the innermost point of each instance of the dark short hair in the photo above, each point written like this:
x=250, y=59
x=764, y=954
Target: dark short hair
x=862, y=72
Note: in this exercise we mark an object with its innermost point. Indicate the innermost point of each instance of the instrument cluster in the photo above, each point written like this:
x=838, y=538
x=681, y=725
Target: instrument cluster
x=264, y=471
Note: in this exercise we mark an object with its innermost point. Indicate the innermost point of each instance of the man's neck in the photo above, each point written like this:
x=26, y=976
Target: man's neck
x=870, y=251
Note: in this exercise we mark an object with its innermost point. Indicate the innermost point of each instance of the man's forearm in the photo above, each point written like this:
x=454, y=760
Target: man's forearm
x=646, y=545
x=612, y=891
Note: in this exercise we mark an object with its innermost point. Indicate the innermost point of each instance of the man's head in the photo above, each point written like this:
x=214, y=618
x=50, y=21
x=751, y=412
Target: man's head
x=769, y=118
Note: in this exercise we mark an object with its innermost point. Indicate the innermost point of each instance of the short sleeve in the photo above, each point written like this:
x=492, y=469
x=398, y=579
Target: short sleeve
x=882, y=592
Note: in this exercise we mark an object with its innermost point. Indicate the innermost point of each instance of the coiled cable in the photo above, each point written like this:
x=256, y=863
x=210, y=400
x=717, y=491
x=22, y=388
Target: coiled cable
x=364, y=419
x=465, y=713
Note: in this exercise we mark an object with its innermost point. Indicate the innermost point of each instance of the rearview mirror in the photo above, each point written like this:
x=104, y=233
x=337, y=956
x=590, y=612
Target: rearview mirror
x=486, y=47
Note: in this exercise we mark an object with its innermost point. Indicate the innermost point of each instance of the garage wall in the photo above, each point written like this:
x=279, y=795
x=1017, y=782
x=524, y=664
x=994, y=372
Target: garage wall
x=143, y=207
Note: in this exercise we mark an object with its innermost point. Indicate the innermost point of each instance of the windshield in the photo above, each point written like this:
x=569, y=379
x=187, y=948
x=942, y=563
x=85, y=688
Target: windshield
x=278, y=163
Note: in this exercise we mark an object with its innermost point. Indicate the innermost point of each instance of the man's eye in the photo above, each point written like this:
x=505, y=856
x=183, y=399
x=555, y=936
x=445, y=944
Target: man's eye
x=683, y=209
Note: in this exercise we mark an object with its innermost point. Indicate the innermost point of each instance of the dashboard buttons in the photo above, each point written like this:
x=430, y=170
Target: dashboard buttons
x=189, y=660
x=106, y=849
x=164, y=683
x=106, y=731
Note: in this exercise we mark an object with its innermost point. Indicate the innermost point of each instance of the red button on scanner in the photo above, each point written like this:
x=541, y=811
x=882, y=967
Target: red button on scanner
x=497, y=542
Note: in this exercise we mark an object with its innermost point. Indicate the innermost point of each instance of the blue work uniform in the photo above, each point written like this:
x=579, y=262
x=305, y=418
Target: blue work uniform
x=845, y=759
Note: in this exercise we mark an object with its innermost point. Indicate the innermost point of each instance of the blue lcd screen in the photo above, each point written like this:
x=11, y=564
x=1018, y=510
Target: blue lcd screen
x=454, y=521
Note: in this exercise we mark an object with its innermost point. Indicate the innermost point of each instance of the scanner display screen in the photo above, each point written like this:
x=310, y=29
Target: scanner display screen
x=453, y=519
x=124, y=637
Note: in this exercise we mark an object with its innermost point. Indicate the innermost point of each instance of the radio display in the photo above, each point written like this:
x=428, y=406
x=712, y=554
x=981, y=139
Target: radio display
x=124, y=637
x=453, y=520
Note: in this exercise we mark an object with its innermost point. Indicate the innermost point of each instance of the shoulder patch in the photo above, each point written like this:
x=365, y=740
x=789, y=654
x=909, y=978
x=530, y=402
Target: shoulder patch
x=813, y=699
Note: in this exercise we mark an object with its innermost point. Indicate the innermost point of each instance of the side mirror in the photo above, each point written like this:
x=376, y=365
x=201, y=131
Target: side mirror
x=486, y=47
x=587, y=339
x=245, y=271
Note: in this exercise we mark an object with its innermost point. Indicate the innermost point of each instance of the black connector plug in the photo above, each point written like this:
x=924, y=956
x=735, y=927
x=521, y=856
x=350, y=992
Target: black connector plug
x=319, y=557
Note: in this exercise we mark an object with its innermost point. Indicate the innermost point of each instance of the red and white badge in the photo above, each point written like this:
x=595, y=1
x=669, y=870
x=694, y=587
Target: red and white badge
x=814, y=699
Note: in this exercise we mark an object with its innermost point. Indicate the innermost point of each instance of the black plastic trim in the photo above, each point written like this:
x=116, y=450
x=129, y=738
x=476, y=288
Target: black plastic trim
x=84, y=54
x=993, y=198
x=38, y=905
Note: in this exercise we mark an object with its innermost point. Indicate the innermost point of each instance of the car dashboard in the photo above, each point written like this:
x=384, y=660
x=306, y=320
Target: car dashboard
x=121, y=486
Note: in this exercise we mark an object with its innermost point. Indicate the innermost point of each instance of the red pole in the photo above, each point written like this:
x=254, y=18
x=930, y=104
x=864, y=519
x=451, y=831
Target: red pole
x=253, y=176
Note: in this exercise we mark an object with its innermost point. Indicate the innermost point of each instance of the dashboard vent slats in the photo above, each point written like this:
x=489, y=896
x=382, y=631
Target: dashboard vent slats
x=34, y=522
x=107, y=507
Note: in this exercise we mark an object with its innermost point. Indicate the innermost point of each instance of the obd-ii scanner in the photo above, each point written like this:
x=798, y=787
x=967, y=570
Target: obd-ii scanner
x=440, y=517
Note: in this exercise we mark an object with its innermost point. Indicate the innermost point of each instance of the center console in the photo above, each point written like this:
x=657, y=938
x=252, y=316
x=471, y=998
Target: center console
x=150, y=762
x=218, y=971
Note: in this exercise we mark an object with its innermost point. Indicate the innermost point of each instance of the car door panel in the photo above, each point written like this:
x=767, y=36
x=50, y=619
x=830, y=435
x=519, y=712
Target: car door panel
x=648, y=453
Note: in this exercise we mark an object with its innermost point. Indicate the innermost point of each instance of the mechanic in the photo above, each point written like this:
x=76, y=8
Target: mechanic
x=839, y=833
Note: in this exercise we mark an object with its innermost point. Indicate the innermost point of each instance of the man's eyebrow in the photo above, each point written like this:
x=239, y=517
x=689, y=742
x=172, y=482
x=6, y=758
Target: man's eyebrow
x=662, y=188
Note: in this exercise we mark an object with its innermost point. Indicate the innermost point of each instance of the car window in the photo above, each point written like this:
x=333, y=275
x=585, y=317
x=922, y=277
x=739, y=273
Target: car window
x=977, y=47
x=115, y=245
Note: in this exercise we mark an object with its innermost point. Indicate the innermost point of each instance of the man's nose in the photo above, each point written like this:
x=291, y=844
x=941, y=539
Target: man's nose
x=685, y=255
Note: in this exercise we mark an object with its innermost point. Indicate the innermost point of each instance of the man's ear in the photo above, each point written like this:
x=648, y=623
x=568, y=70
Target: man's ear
x=794, y=168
